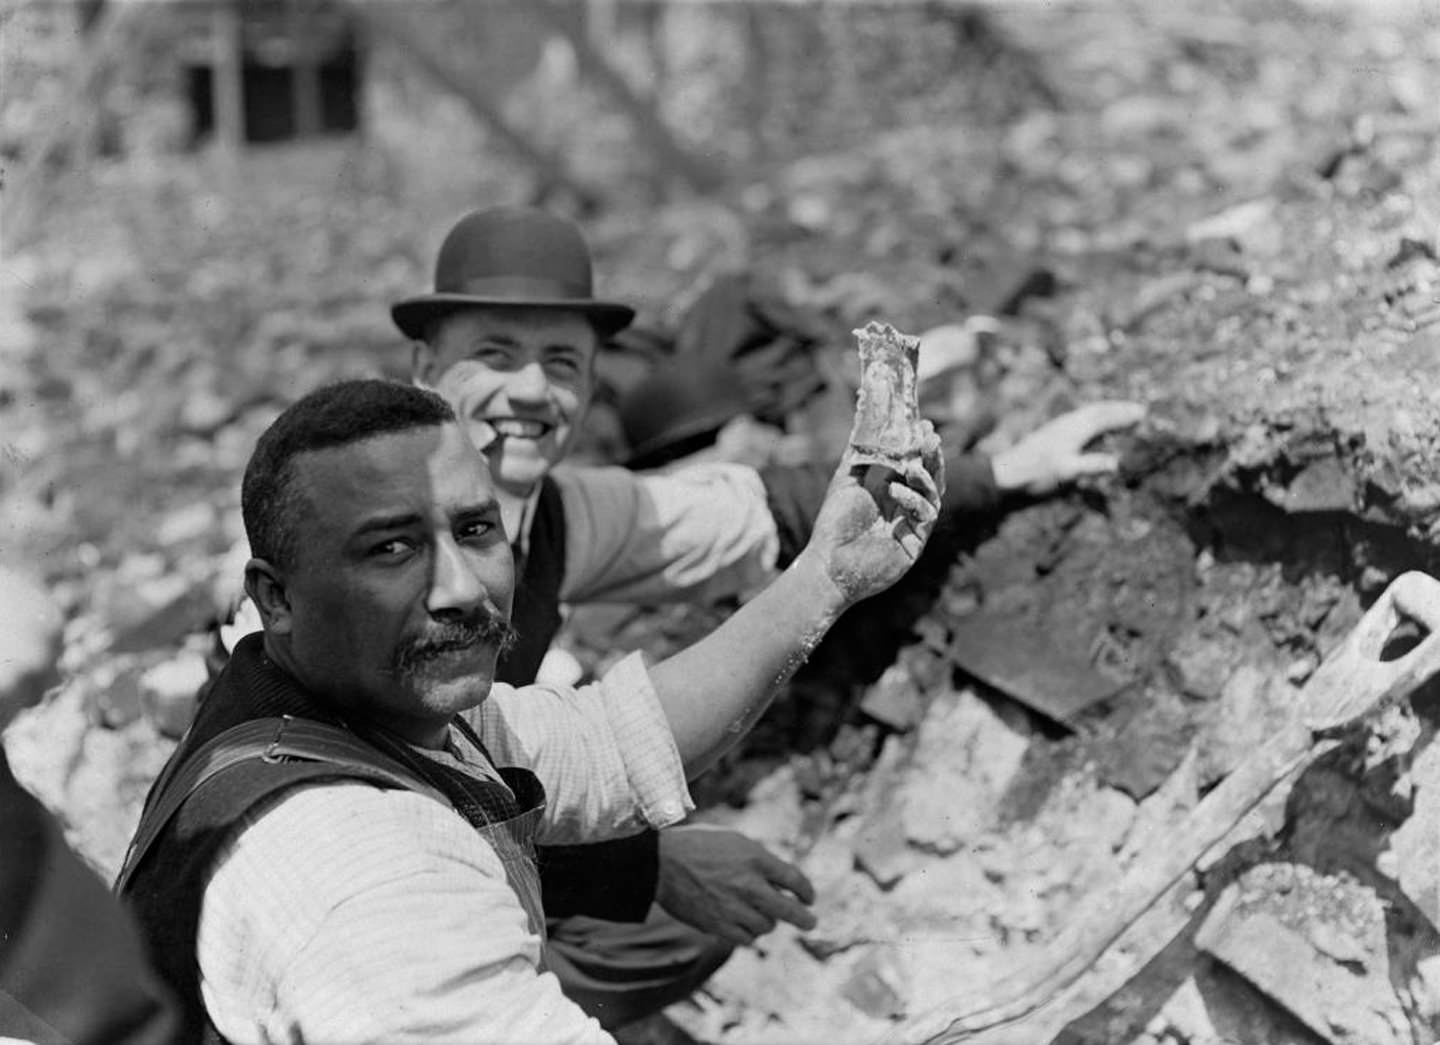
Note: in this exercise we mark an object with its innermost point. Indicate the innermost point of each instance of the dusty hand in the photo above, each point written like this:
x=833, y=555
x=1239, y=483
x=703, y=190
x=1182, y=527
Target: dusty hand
x=728, y=885
x=1054, y=454
x=875, y=521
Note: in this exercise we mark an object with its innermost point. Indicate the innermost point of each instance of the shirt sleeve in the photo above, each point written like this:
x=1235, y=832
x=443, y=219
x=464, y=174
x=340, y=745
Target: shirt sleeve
x=604, y=752
x=398, y=926
x=698, y=533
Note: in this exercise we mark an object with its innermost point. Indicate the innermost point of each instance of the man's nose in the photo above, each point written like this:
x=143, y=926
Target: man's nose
x=529, y=383
x=455, y=586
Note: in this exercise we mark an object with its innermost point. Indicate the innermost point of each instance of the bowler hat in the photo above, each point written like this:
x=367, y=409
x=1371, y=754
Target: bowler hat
x=678, y=409
x=513, y=257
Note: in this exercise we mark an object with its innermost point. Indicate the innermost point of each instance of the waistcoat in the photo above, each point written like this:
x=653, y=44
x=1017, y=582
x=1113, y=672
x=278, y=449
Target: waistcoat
x=536, y=610
x=165, y=885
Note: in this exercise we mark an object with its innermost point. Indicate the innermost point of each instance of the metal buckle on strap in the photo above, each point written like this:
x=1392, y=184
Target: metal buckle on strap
x=272, y=753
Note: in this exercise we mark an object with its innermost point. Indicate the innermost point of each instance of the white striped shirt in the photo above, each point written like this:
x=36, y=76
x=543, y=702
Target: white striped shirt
x=342, y=913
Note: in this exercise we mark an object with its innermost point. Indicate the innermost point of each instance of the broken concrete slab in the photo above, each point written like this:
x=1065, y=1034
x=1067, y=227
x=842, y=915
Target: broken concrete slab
x=1006, y=652
x=966, y=755
x=1315, y=945
x=1335, y=1003
x=1416, y=842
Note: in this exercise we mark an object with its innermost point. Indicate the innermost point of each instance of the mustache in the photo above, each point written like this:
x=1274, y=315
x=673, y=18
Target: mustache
x=490, y=628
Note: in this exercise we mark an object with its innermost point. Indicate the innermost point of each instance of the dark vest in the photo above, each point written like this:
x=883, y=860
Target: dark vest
x=165, y=888
x=614, y=880
x=536, y=611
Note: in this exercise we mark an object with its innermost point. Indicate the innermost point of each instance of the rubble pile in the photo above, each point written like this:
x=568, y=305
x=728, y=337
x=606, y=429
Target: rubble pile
x=1096, y=667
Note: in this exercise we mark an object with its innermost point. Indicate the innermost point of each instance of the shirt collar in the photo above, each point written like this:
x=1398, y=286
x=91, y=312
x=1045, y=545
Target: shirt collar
x=518, y=517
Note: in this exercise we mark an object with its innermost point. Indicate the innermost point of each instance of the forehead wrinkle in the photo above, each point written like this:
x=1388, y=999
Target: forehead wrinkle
x=358, y=472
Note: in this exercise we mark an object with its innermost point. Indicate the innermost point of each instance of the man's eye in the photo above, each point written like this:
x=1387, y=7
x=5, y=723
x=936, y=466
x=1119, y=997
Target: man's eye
x=394, y=548
x=480, y=529
x=562, y=365
x=492, y=355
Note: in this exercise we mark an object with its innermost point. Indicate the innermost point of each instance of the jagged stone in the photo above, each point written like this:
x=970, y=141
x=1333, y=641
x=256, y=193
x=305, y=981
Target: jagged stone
x=876, y=984
x=165, y=610
x=1111, y=816
x=1239, y=1012
x=929, y=660
x=1301, y=668
x=1252, y=704
x=881, y=847
x=1201, y=665
x=954, y=898
x=1330, y=998
x=895, y=700
x=882, y=851
x=31, y=627
x=45, y=742
x=1147, y=748
x=965, y=757
x=1324, y=485
x=1337, y=945
x=1156, y=814
x=107, y=787
x=1254, y=225
x=848, y=901
x=773, y=814
x=1426, y=990
x=772, y=1000
x=168, y=691
x=1416, y=842
x=1186, y=1017
x=117, y=702
x=1322, y=945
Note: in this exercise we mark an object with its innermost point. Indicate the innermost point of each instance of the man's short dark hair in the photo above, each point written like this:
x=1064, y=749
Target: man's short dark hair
x=336, y=415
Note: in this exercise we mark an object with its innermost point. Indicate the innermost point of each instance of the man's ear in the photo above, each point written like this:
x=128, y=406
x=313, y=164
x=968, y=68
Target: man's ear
x=266, y=588
x=422, y=364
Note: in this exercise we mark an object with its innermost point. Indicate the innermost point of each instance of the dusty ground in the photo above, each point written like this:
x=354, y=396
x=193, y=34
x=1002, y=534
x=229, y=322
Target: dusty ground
x=1238, y=213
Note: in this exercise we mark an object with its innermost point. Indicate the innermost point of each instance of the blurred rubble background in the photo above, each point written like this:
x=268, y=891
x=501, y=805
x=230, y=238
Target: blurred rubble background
x=1230, y=211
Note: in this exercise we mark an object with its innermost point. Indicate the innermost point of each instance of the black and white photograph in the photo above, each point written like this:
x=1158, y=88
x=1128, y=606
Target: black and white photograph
x=719, y=522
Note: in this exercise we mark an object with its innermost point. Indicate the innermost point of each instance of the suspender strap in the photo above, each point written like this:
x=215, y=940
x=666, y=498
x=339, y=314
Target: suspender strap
x=269, y=740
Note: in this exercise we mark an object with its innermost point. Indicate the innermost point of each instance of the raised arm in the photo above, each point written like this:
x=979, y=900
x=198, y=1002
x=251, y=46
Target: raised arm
x=870, y=529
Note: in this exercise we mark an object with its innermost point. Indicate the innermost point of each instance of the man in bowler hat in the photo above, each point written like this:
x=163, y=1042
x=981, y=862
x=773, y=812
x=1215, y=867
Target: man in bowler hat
x=509, y=336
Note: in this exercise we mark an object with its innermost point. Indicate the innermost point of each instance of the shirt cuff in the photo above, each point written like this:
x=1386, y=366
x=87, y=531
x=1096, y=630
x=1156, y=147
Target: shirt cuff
x=652, y=762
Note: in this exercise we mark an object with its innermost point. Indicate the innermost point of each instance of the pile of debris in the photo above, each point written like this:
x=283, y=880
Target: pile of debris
x=1096, y=670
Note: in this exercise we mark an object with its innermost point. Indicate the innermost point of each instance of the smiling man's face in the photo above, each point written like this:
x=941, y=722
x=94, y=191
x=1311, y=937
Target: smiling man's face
x=520, y=379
